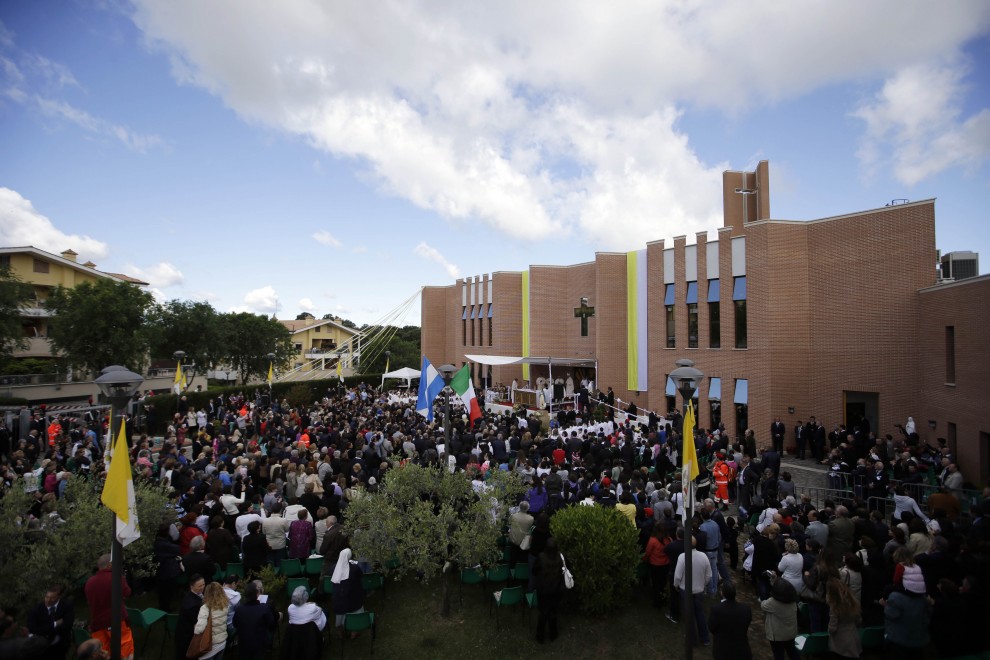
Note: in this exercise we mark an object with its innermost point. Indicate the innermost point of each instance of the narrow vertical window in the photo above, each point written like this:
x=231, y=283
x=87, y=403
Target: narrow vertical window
x=714, y=315
x=668, y=301
x=692, y=314
x=739, y=303
x=950, y=354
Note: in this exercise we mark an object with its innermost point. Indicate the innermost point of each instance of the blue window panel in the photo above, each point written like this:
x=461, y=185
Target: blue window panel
x=489, y=310
x=742, y=392
x=472, y=313
x=713, y=291
x=671, y=389
x=464, y=315
x=692, y=293
x=715, y=389
x=668, y=297
x=739, y=288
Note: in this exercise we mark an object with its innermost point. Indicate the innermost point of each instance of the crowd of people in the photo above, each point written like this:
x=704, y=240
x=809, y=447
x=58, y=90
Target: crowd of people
x=264, y=483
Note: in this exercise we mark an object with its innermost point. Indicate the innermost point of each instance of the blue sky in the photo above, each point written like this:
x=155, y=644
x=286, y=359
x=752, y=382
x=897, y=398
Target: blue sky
x=334, y=157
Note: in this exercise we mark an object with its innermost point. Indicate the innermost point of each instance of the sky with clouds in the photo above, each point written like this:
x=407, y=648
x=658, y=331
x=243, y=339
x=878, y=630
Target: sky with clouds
x=333, y=157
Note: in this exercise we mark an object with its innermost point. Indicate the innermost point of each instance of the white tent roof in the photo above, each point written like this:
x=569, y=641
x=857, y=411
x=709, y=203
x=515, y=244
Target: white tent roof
x=404, y=372
x=499, y=360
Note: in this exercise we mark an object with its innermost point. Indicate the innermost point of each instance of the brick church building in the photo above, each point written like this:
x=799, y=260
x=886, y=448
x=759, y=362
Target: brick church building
x=839, y=318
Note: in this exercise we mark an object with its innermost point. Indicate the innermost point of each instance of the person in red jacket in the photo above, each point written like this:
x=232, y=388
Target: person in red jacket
x=721, y=473
x=98, y=595
x=188, y=532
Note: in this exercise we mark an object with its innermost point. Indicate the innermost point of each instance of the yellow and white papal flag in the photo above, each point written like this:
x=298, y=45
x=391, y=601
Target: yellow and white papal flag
x=118, y=491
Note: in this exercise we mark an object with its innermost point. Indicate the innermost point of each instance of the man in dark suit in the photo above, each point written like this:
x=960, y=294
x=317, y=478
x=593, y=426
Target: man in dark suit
x=188, y=614
x=198, y=561
x=777, y=430
x=52, y=619
x=728, y=622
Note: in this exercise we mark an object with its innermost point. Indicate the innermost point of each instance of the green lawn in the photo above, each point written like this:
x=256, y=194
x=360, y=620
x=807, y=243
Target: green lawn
x=409, y=626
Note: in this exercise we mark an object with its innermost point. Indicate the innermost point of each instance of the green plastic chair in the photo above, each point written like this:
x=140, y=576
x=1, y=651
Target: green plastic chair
x=79, y=635
x=871, y=638
x=813, y=644
x=235, y=568
x=171, y=623
x=294, y=583
x=472, y=575
x=355, y=623
x=498, y=573
x=327, y=584
x=521, y=572
x=373, y=582
x=314, y=565
x=144, y=619
x=291, y=568
x=508, y=597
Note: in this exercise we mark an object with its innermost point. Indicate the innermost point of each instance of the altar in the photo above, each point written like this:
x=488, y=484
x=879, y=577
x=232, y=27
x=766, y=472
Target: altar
x=528, y=398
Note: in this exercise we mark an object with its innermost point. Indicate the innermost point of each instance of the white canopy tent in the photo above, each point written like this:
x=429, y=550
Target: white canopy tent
x=407, y=373
x=550, y=362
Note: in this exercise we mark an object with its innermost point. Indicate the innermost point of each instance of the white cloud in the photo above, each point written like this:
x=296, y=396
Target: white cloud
x=306, y=305
x=139, y=142
x=162, y=275
x=359, y=249
x=259, y=301
x=21, y=224
x=914, y=124
x=542, y=120
x=432, y=254
x=326, y=238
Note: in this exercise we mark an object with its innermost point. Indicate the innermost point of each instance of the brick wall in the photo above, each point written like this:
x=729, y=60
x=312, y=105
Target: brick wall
x=965, y=306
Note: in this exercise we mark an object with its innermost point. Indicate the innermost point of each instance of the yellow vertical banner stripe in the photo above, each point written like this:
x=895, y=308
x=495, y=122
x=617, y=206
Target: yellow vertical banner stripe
x=525, y=322
x=632, y=324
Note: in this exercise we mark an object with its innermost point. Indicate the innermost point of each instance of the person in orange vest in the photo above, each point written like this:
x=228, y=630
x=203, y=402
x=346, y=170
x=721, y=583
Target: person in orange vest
x=54, y=431
x=721, y=472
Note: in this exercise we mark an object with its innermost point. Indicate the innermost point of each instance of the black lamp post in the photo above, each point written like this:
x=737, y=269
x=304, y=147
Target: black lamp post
x=447, y=371
x=119, y=385
x=687, y=379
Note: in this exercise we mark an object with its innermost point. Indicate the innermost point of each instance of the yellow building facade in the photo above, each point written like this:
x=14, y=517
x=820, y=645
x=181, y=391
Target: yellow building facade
x=321, y=343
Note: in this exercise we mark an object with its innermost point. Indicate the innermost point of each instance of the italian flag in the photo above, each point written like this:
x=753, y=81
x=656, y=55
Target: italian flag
x=461, y=384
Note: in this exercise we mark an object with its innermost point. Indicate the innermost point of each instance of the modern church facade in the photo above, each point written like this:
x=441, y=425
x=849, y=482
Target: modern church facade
x=788, y=319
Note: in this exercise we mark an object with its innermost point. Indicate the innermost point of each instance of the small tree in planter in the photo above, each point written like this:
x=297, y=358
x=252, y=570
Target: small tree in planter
x=601, y=550
x=428, y=521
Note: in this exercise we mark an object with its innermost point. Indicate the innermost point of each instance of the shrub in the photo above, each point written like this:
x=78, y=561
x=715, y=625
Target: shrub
x=601, y=550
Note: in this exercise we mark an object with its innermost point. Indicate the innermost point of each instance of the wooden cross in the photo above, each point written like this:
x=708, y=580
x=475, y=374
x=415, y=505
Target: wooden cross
x=583, y=312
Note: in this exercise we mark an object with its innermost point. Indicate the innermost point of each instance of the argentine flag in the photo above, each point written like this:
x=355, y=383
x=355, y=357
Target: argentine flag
x=430, y=385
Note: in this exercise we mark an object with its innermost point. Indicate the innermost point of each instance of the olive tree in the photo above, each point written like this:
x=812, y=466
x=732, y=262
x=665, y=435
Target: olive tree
x=428, y=521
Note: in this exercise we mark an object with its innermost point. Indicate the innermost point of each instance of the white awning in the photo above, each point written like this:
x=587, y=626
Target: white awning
x=671, y=388
x=500, y=360
x=404, y=372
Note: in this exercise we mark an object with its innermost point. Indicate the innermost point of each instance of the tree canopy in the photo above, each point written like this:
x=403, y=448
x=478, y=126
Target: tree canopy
x=193, y=327
x=13, y=295
x=402, y=343
x=428, y=518
x=249, y=338
x=96, y=324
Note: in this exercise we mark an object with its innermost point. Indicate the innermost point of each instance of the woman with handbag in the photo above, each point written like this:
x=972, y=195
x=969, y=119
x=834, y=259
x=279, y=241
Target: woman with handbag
x=210, y=634
x=548, y=572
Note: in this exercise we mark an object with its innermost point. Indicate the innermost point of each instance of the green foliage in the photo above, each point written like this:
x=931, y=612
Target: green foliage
x=14, y=294
x=402, y=343
x=272, y=581
x=193, y=327
x=249, y=338
x=100, y=323
x=28, y=366
x=66, y=553
x=601, y=549
x=425, y=517
x=300, y=394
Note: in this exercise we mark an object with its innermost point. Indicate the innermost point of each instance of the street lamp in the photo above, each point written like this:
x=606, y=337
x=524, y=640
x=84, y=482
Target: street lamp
x=119, y=385
x=447, y=371
x=687, y=379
